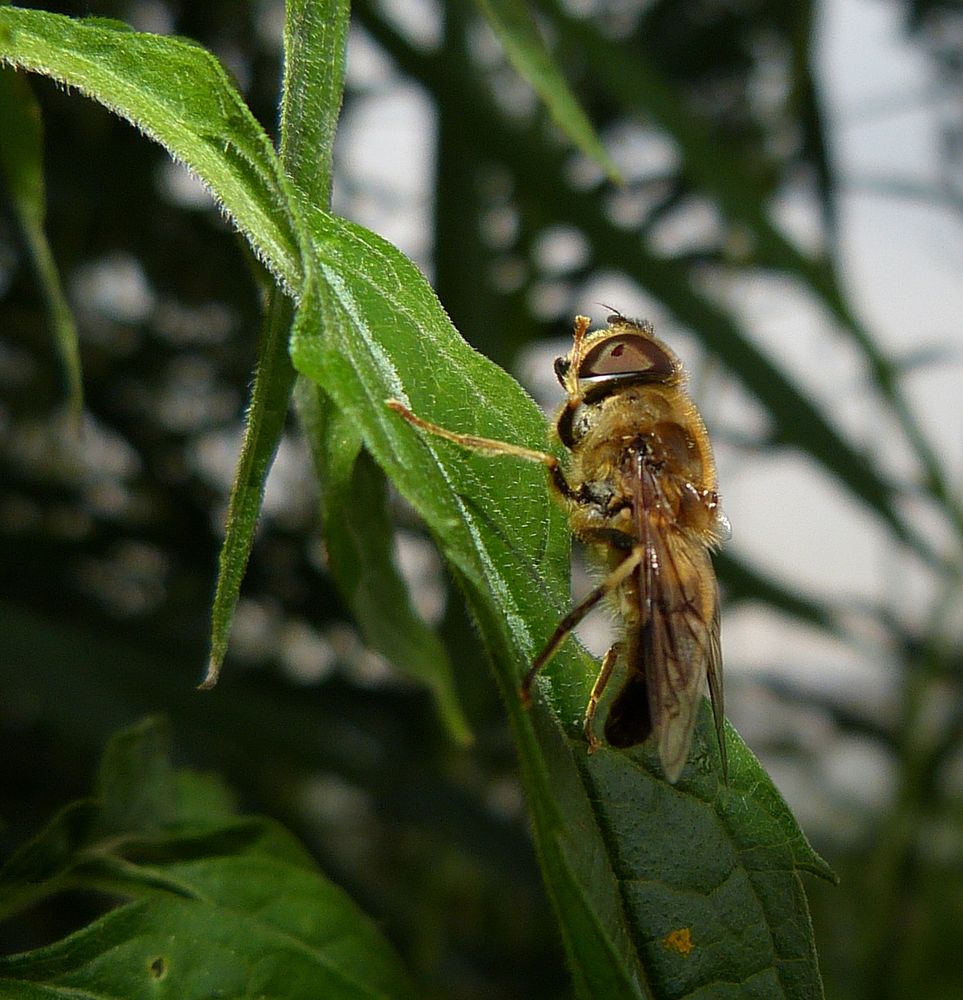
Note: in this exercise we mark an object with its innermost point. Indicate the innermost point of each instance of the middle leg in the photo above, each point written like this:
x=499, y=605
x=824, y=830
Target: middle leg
x=614, y=580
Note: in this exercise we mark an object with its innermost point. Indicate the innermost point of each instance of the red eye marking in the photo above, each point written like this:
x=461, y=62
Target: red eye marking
x=617, y=351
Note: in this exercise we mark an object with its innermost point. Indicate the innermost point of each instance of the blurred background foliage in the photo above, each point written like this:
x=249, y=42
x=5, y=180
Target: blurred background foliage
x=714, y=113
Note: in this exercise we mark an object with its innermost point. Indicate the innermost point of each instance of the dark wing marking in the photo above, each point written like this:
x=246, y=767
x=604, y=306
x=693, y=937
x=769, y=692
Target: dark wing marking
x=716, y=693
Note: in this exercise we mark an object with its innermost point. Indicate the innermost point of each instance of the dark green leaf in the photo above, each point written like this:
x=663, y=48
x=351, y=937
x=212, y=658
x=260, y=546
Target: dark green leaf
x=241, y=948
x=715, y=898
x=223, y=906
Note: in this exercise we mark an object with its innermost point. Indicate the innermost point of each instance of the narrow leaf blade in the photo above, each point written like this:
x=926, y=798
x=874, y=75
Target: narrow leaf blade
x=359, y=545
x=273, y=384
x=21, y=161
x=525, y=47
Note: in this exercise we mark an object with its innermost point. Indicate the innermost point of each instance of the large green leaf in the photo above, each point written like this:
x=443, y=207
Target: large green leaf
x=222, y=905
x=715, y=899
x=604, y=825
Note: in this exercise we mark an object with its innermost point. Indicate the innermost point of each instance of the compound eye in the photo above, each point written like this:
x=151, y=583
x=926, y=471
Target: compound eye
x=562, y=366
x=627, y=354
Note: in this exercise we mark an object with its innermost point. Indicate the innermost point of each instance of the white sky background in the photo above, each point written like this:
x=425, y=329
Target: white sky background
x=902, y=260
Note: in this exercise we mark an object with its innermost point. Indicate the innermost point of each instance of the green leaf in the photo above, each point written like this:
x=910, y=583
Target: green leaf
x=315, y=39
x=716, y=898
x=179, y=95
x=386, y=335
x=600, y=822
x=21, y=161
x=513, y=23
x=359, y=543
x=223, y=906
x=273, y=383
x=188, y=949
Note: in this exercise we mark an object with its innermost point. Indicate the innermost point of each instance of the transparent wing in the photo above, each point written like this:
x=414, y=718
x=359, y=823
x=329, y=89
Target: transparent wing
x=674, y=647
x=680, y=639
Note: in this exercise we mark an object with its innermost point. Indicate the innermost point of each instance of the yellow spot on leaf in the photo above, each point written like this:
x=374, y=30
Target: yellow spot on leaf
x=679, y=941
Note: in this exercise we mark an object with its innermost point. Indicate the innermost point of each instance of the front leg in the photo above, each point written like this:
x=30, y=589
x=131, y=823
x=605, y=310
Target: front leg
x=487, y=446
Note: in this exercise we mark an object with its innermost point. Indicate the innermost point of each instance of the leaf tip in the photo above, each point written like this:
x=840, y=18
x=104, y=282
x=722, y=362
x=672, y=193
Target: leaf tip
x=613, y=172
x=212, y=675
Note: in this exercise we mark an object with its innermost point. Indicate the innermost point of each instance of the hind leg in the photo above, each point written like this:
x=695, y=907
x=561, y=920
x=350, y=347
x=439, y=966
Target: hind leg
x=598, y=689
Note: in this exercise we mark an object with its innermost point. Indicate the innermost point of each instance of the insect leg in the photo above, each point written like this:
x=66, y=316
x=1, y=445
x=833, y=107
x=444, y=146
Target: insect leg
x=487, y=446
x=598, y=688
x=618, y=575
x=570, y=383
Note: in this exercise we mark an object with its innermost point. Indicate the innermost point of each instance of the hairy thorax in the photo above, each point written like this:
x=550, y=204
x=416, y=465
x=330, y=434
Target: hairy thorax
x=643, y=448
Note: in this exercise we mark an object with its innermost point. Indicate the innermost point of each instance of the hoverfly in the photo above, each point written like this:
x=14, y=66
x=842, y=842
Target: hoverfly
x=640, y=487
